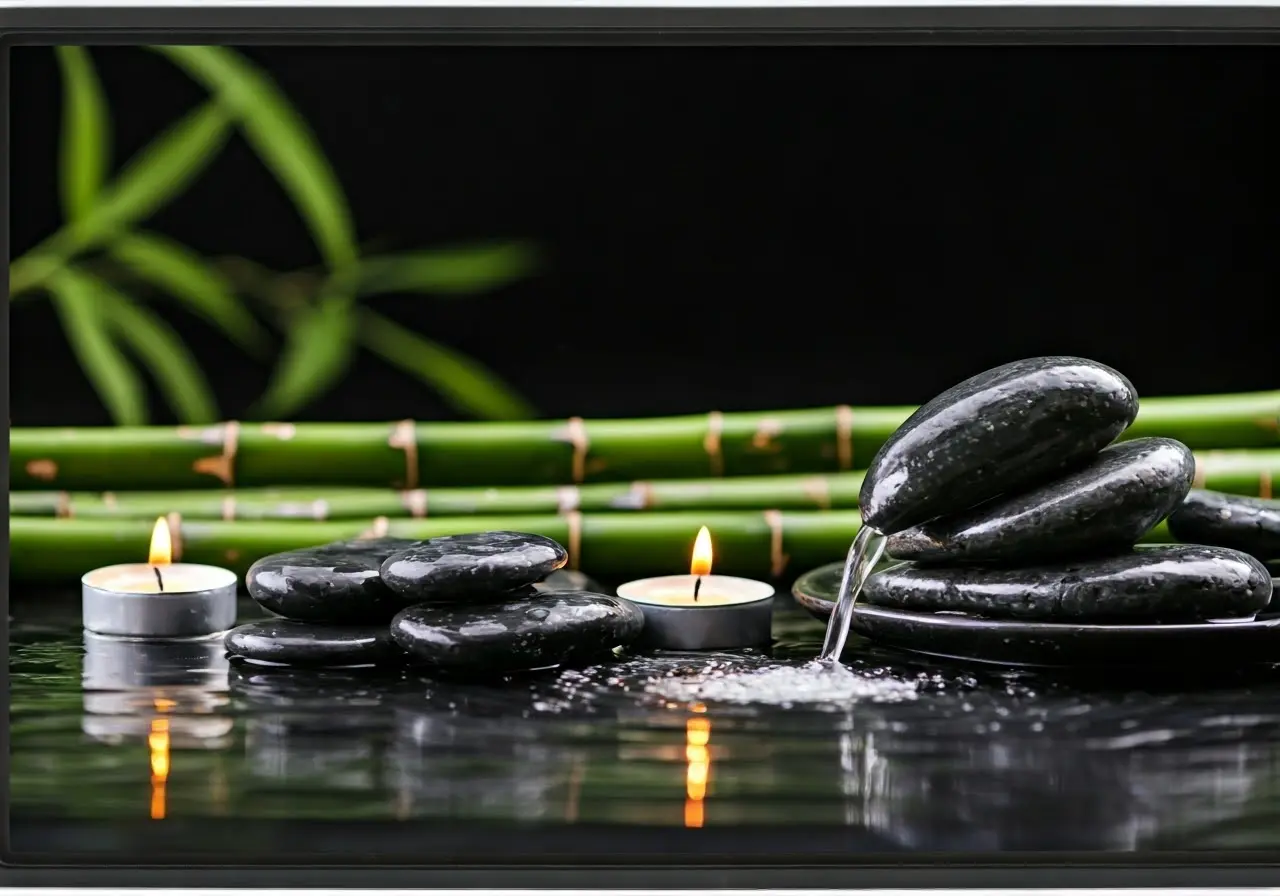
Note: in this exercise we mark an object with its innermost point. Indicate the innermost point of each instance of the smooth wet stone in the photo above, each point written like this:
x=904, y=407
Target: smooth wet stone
x=999, y=432
x=287, y=642
x=336, y=582
x=1102, y=509
x=1156, y=584
x=1251, y=525
x=471, y=568
x=559, y=628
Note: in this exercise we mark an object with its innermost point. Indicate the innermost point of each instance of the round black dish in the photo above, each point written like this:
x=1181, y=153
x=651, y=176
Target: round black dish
x=1047, y=644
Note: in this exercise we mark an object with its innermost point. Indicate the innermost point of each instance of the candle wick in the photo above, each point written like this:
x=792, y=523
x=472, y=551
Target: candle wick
x=697, y=586
x=158, y=579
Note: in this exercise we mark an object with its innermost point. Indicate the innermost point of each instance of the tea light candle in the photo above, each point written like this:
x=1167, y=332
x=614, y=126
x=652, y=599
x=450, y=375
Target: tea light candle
x=159, y=598
x=700, y=611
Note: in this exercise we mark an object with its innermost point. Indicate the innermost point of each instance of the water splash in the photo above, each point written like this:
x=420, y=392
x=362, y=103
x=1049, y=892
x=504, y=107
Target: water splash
x=814, y=684
x=863, y=555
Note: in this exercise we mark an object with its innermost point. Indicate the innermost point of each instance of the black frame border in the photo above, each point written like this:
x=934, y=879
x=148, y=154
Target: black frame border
x=617, y=25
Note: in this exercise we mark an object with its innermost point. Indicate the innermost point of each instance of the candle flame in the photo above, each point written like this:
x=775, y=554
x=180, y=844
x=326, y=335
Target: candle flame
x=698, y=770
x=161, y=544
x=701, y=564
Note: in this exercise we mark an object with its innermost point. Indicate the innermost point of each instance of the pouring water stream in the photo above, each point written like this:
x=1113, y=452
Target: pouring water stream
x=863, y=555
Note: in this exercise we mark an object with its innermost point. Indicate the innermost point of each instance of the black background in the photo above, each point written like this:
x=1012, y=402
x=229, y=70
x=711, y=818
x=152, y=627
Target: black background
x=738, y=228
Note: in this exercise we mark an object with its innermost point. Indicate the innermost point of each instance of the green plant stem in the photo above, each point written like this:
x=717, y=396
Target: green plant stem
x=1236, y=472
x=535, y=452
x=759, y=544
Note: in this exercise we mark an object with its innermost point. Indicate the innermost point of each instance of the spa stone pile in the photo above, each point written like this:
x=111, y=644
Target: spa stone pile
x=1008, y=500
x=477, y=604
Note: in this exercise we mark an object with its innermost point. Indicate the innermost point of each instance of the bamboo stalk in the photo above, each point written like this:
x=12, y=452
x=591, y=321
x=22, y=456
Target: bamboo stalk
x=760, y=544
x=1245, y=472
x=409, y=455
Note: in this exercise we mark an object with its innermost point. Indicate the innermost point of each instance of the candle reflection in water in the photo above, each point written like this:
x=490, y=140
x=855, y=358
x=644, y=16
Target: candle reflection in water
x=698, y=772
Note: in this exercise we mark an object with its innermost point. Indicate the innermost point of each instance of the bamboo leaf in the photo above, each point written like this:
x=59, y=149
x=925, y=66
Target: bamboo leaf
x=465, y=383
x=156, y=175
x=84, y=149
x=113, y=378
x=192, y=280
x=155, y=343
x=464, y=270
x=316, y=353
x=281, y=138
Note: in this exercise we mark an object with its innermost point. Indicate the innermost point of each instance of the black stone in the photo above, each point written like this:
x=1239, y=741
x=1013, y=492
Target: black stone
x=1100, y=510
x=471, y=568
x=336, y=582
x=996, y=433
x=552, y=629
x=1149, y=584
x=287, y=642
x=1075, y=645
x=1251, y=525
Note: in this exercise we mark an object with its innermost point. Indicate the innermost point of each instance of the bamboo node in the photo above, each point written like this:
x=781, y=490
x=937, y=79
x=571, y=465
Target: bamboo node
x=818, y=488
x=229, y=508
x=319, y=509
x=778, y=560
x=223, y=466
x=844, y=436
x=763, y=439
x=575, y=433
x=109, y=500
x=43, y=469
x=638, y=497
x=568, y=499
x=64, y=509
x=404, y=438
x=1264, y=484
x=175, y=535
x=415, y=501
x=232, y=555
x=1198, y=478
x=711, y=443
x=381, y=525
x=575, y=539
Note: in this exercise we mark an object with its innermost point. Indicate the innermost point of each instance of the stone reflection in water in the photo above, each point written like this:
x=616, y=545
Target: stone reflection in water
x=170, y=695
x=454, y=766
x=1094, y=778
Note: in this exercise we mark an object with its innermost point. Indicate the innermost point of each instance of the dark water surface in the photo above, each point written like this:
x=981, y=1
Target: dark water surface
x=172, y=746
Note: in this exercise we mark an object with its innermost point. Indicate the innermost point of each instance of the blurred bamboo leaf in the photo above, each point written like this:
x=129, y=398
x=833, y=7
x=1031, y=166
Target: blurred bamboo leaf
x=464, y=270
x=283, y=141
x=316, y=352
x=157, y=174
x=109, y=371
x=192, y=280
x=184, y=387
x=465, y=383
x=84, y=148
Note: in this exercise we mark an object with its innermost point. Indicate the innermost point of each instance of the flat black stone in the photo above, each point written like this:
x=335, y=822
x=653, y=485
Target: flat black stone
x=287, y=642
x=1180, y=583
x=1251, y=525
x=1100, y=510
x=471, y=568
x=336, y=582
x=999, y=432
x=559, y=628
x=1072, y=645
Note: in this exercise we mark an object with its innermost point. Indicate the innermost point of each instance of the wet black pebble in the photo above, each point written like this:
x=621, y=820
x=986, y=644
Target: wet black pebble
x=1251, y=525
x=464, y=569
x=336, y=582
x=290, y=643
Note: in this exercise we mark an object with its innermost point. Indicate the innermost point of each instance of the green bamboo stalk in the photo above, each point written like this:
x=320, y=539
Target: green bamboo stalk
x=1245, y=472
x=409, y=455
x=759, y=544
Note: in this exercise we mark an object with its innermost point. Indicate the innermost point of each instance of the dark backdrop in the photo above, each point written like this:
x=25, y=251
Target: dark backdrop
x=741, y=228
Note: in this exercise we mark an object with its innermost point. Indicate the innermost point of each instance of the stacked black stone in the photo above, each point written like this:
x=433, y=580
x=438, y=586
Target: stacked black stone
x=1008, y=501
x=477, y=604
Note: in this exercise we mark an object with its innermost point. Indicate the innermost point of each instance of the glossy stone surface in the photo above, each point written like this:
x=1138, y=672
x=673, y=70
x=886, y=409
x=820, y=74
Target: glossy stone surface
x=336, y=582
x=999, y=432
x=1099, y=510
x=559, y=628
x=1156, y=584
x=1146, y=648
x=291, y=643
x=1251, y=525
x=460, y=568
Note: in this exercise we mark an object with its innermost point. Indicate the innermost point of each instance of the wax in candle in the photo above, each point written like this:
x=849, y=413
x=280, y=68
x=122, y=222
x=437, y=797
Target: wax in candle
x=140, y=578
x=677, y=591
